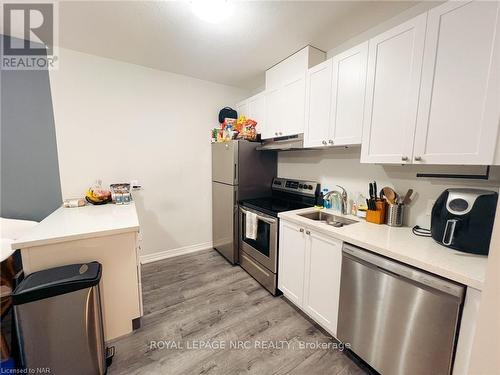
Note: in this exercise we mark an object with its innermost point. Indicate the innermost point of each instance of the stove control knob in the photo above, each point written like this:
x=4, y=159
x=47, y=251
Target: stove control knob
x=310, y=187
x=301, y=186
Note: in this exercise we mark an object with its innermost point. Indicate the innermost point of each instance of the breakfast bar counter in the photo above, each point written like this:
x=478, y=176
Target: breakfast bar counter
x=107, y=234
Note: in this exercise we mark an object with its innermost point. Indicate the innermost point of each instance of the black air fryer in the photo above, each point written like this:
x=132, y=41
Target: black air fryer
x=463, y=219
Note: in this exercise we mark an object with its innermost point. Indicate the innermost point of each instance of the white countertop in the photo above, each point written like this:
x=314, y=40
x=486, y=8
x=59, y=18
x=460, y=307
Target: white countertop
x=69, y=224
x=10, y=229
x=402, y=245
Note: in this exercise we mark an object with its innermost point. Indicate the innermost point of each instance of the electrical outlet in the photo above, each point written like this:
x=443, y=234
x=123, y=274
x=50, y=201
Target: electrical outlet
x=430, y=204
x=135, y=185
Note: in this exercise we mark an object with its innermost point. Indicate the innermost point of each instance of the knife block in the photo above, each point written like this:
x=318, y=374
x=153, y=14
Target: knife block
x=377, y=216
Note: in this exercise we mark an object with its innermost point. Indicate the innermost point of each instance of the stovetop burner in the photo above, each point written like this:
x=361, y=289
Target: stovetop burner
x=273, y=206
x=287, y=195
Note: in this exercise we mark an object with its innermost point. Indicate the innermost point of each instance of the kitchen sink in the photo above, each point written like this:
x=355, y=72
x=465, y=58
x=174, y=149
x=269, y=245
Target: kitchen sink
x=333, y=220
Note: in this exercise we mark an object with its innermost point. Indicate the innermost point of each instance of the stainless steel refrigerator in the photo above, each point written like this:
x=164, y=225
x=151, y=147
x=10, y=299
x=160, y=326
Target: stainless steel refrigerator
x=239, y=171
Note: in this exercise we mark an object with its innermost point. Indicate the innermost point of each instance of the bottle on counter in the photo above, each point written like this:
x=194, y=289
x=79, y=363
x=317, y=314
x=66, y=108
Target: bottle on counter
x=321, y=200
x=326, y=202
x=72, y=203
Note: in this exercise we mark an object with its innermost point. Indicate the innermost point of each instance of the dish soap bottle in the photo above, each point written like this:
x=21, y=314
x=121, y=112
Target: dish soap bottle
x=326, y=202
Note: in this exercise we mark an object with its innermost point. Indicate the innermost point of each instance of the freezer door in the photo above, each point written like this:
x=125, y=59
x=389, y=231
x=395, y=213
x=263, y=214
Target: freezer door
x=225, y=162
x=224, y=220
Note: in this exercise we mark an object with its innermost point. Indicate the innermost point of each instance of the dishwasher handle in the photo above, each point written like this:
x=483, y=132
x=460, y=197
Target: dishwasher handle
x=400, y=270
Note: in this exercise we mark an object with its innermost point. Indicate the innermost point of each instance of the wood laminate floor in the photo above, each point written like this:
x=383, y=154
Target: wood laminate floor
x=200, y=299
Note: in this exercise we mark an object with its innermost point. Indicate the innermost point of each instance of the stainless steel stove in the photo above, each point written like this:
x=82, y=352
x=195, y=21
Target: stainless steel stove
x=259, y=255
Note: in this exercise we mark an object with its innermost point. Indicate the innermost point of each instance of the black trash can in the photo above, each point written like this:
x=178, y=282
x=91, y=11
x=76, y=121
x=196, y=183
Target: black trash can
x=59, y=320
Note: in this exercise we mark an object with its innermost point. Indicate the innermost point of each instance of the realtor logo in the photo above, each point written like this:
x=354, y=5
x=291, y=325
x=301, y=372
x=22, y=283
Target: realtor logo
x=29, y=31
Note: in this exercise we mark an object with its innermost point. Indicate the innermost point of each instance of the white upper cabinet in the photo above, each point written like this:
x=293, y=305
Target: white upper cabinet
x=335, y=95
x=257, y=110
x=292, y=113
x=285, y=109
x=437, y=104
x=393, y=82
x=459, y=108
x=318, y=103
x=286, y=91
x=322, y=280
x=273, y=100
x=242, y=108
x=293, y=66
x=292, y=252
x=348, y=96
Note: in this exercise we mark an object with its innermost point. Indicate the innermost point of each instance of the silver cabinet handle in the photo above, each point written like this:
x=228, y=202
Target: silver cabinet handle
x=308, y=232
x=324, y=142
x=404, y=158
x=330, y=141
x=418, y=158
x=301, y=230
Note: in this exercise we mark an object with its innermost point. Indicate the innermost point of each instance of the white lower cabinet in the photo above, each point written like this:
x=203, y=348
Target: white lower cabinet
x=291, y=262
x=322, y=280
x=309, y=272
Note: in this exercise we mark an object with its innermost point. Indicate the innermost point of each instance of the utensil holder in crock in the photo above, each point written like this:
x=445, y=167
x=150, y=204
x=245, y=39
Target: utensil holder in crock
x=395, y=214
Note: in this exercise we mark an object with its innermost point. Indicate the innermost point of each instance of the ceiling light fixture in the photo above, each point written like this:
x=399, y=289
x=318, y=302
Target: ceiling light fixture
x=212, y=11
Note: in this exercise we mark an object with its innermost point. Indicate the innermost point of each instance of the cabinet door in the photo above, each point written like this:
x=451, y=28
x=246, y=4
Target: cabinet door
x=257, y=110
x=393, y=81
x=242, y=108
x=322, y=280
x=273, y=105
x=291, y=262
x=292, y=101
x=459, y=100
x=348, y=95
x=318, y=102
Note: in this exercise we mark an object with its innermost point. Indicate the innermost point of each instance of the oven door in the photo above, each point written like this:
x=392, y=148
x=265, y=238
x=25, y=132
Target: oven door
x=264, y=248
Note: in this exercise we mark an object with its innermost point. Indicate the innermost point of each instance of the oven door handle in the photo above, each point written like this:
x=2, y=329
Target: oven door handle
x=260, y=217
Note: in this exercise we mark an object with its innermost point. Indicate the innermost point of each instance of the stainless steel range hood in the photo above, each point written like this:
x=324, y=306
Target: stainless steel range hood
x=292, y=142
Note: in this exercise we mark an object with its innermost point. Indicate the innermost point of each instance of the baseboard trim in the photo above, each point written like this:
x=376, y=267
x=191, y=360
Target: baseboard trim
x=149, y=258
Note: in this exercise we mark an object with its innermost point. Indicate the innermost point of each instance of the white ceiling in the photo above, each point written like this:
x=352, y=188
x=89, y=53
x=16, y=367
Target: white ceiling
x=166, y=35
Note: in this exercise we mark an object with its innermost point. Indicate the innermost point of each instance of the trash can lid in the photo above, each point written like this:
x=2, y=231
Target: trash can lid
x=56, y=281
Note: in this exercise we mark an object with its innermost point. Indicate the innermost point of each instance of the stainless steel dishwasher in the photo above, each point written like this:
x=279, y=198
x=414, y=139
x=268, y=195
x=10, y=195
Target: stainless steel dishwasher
x=398, y=319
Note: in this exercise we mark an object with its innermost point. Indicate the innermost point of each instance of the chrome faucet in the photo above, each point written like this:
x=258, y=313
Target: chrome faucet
x=343, y=198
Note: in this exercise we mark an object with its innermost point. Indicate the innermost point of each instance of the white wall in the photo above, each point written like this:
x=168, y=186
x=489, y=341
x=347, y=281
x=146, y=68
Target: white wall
x=118, y=121
x=342, y=167
x=485, y=358
x=404, y=16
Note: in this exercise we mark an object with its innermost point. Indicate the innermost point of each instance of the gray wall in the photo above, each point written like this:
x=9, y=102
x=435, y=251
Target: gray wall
x=30, y=183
